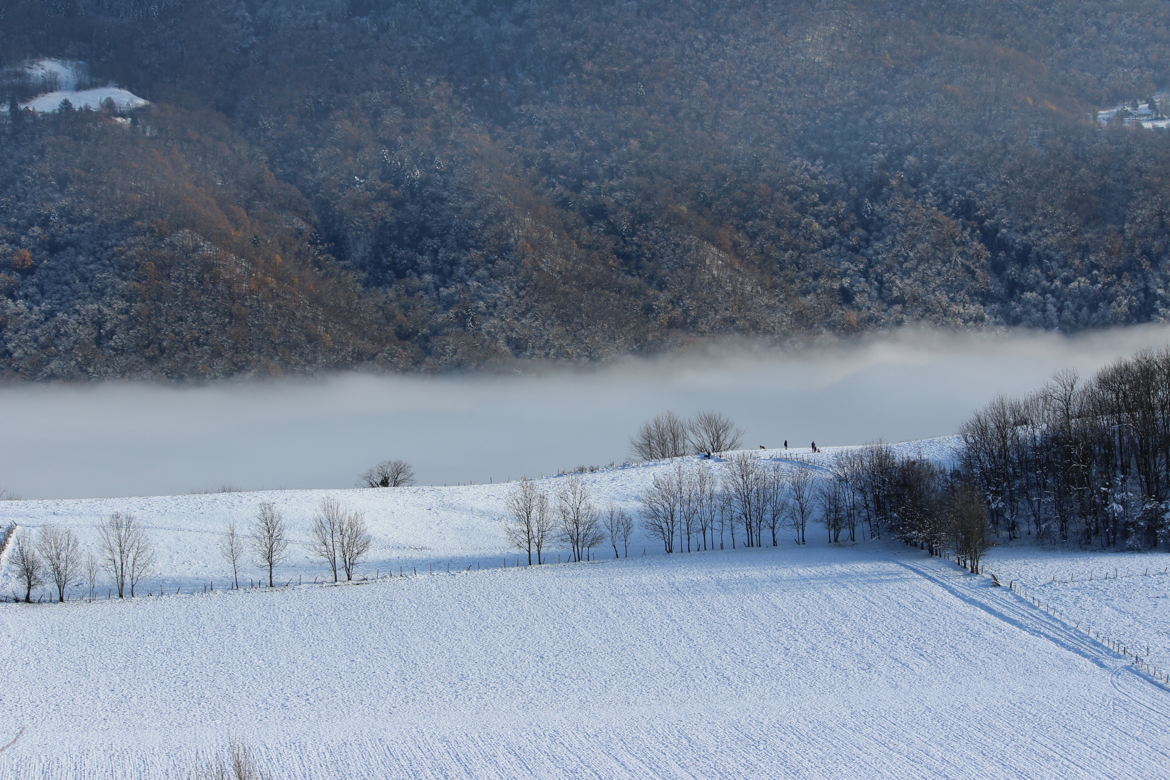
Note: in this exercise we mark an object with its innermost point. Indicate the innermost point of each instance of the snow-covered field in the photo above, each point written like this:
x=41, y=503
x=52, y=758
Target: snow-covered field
x=64, y=77
x=85, y=99
x=1125, y=596
x=813, y=661
x=810, y=661
x=413, y=527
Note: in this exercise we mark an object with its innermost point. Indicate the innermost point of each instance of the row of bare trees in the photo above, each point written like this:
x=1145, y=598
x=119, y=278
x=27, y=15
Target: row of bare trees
x=689, y=508
x=535, y=518
x=670, y=436
x=55, y=557
x=911, y=499
x=1087, y=462
x=339, y=537
x=868, y=490
x=693, y=505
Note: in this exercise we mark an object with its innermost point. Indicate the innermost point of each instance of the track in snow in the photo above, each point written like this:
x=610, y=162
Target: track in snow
x=1141, y=694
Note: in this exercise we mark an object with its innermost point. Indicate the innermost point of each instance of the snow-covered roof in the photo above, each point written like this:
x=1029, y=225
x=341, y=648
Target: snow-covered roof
x=91, y=99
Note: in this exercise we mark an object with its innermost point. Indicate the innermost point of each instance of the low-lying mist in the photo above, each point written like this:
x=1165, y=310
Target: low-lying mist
x=133, y=439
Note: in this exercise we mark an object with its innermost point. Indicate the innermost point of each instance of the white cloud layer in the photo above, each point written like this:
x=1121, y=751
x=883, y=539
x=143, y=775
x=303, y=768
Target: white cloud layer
x=135, y=439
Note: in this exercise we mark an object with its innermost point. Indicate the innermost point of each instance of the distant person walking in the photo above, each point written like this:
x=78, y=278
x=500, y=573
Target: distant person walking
x=786, y=444
x=814, y=447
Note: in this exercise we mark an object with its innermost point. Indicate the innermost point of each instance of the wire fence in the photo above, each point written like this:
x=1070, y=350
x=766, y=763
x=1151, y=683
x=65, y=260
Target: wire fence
x=1094, y=576
x=1138, y=656
x=381, y=573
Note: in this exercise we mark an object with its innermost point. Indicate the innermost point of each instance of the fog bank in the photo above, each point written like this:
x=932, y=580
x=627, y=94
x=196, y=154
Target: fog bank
x=132, y=439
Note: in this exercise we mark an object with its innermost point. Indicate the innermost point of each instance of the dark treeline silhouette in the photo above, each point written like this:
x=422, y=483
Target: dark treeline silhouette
x=335, y=183
x=1085, y=463
x=1081, y=462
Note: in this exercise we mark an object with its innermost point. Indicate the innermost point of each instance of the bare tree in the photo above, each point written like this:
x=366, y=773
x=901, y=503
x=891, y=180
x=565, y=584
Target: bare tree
x=713, y=432
x=619, y=526
x=970, y=527
x=269, y=539
x=231, y=546
x=832, y=494
x=745, y=483
x=326, y=539
x=849, y=469
x=704, y=495
x=661, y=507
x=62, y=556
x=775, y=503
x=91, y=573
x=127, y=551
x=801, y=507
x=663, y=437
x=690, y=505
x=30, y=569
x=579, y=524
x=520, y=527
x=725, y=516
x=544, y=524
x=389, y=473
x=355, y=541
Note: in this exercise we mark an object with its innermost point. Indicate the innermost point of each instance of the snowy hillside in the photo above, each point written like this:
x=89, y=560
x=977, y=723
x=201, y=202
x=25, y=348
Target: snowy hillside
x=804, y=661
x=85, y=99
x=821, y=660
x=64, y=80
x=54, y=74
x=1126, y=596
x=413, y=527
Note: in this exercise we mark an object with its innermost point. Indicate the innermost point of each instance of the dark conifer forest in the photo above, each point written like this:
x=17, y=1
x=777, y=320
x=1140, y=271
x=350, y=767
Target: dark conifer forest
x=444, y=184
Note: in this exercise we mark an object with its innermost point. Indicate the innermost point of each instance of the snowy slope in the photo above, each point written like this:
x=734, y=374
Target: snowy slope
x=87, y=99
x=1125, y=596
x=813, y=661
x=415, y=527
x=62, y=78
x=62, y=74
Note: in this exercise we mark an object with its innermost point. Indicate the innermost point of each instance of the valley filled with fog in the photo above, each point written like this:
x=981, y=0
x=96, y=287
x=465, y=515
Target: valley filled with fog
x=135, y=439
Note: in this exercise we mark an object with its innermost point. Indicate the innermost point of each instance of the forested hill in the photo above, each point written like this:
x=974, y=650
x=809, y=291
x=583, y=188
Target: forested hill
x=448, y=183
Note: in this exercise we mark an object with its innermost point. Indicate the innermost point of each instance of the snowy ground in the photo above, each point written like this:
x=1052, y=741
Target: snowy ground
x=1142, y=113
x=85, y=99
x=413, y=528
x=1125, y=596
x=65, y=76
x=60, y=74
x=817, y=661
